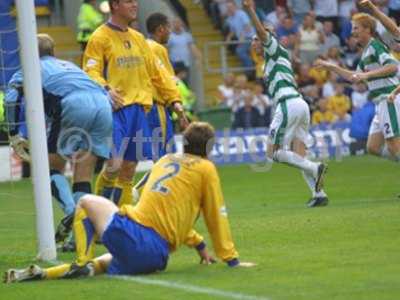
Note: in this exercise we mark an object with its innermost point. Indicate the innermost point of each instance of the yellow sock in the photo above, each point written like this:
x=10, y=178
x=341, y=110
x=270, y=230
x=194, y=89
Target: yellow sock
x=99, y=268
x=56, y=272
x=85, y=237
x=123, y=193
x=104, y=185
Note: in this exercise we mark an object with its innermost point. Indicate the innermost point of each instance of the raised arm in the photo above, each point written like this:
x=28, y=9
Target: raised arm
x=389, y=24
x=262, y=33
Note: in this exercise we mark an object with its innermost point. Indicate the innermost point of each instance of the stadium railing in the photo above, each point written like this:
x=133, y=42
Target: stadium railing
x=223, y=58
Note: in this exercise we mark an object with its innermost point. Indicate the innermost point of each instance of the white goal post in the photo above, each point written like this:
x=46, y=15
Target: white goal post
x=29, y=55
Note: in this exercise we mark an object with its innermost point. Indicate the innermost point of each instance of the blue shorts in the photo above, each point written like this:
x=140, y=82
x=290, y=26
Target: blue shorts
x=136, y=249
x=162, y=130
x=131, y=134
x=84, y=123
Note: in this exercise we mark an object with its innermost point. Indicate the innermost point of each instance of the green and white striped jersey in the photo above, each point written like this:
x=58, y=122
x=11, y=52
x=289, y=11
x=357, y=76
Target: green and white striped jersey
x=278, y=72
x=374, y=56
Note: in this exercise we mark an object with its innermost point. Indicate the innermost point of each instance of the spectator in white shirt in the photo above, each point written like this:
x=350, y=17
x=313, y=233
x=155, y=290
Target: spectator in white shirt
x=226, y=90
x=181, y=45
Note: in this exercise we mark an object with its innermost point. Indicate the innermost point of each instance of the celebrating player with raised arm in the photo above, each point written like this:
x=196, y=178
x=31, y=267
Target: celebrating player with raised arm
x=289, y=126
x=386, y=21
x=377, y=68
x=140, y=238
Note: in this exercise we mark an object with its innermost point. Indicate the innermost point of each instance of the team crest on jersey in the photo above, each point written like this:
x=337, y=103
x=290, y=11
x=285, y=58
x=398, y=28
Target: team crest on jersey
x=127, y=45
x=91, y=63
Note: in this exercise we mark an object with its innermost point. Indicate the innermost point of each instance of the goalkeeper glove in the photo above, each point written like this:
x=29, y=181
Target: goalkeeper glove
x=21, y=147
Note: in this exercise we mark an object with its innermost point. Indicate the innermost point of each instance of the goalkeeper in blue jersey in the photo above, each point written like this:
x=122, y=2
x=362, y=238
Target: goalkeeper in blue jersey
x=78, y=120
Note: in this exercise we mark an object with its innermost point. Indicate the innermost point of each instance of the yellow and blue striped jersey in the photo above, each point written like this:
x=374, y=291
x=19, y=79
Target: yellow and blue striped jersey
x=124, y=61
x=179, y=189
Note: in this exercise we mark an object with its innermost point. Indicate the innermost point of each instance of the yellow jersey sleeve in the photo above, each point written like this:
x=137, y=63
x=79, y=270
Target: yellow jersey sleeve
x=193, y=239
x=215, y=215
x=161, y=79
x=162, y=54
x=94, y=58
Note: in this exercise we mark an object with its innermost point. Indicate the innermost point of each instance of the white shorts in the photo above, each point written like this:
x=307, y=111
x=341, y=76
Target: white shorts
x=386, y=120
x=291, y=120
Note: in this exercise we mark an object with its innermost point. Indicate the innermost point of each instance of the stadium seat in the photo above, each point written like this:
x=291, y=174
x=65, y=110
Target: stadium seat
x=40, y=11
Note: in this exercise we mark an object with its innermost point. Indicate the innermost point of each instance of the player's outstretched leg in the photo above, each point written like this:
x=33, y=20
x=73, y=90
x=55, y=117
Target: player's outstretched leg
x=33, y=272
x=65, y=271
x=315, y=183
x=295, y=160
x=319, y=182
x=318, y=198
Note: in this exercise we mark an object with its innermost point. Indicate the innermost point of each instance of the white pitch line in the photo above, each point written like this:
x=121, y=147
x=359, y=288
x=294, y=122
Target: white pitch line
x=189, y=288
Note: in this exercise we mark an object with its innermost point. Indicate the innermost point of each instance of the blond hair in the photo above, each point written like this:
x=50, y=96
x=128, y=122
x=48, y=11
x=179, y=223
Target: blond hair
x=46, y=45
x=366, y=21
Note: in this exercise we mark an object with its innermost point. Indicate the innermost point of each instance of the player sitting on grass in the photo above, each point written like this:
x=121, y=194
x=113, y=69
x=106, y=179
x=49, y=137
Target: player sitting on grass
x=140, y=238
x=291, y=120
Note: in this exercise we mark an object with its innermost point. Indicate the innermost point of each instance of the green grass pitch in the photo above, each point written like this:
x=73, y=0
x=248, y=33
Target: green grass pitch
x=347, y=250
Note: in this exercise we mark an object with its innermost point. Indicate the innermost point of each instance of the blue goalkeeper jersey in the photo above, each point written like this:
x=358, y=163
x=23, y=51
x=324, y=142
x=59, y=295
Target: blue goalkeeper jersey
x=59, y=80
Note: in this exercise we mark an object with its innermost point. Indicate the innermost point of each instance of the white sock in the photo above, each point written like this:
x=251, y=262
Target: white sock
x=386, y=154
x=297, y=161
x=310, y=180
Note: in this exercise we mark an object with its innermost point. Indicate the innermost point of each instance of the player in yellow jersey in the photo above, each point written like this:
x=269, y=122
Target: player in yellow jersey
x=159, y=28
x=140, y=238
x=160, y=122
x=120, y=59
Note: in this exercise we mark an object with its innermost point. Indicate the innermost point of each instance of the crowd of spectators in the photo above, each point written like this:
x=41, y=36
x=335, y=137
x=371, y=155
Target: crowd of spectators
x=309, y=29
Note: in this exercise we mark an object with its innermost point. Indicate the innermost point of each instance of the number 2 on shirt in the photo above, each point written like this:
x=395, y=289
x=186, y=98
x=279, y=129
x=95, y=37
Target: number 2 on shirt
x=158, y=185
